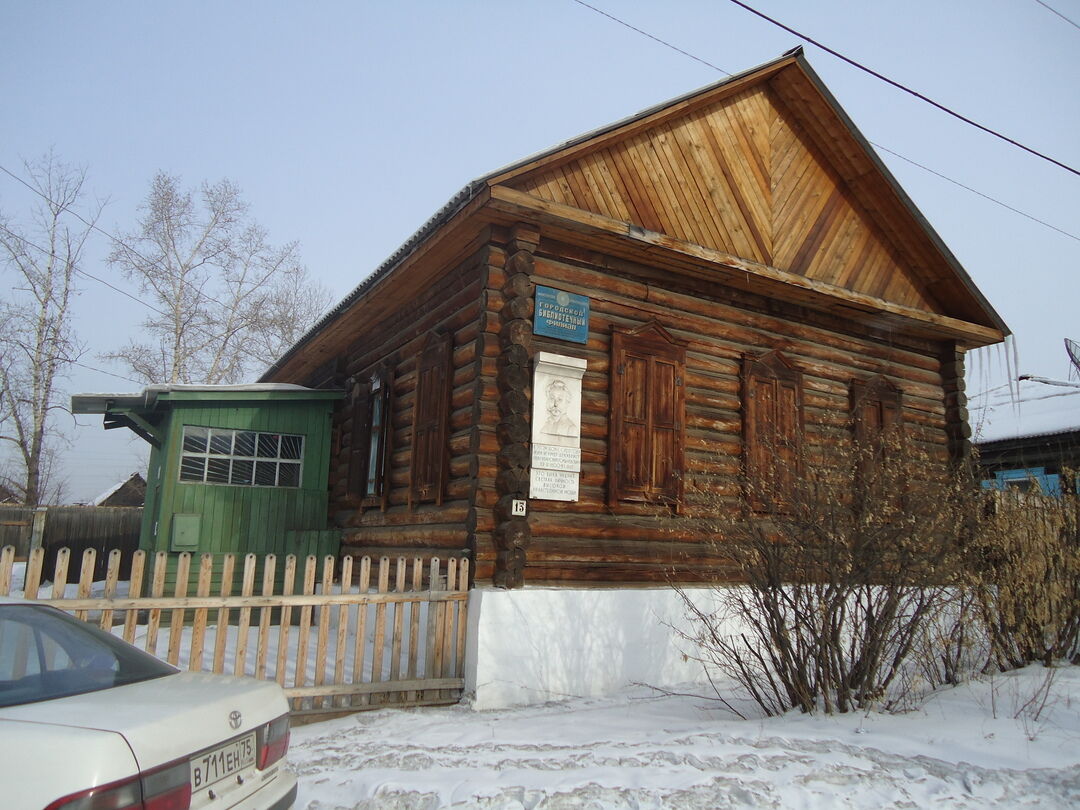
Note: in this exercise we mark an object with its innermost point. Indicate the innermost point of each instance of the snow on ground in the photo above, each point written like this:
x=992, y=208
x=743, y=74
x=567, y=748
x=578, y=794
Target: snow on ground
x=971, y=747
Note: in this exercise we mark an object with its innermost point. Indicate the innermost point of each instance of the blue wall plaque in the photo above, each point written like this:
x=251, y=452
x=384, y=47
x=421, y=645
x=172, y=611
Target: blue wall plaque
x=562, y=315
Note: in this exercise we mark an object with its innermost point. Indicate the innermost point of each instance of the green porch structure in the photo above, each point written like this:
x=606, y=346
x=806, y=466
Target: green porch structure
x=233, y=469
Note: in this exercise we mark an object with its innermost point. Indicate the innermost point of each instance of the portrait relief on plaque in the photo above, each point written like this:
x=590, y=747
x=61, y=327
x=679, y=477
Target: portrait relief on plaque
x=556, y=427
x=559, y=400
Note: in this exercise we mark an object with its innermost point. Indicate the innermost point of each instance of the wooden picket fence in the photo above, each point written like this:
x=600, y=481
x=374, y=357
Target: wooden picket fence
x=341, y=636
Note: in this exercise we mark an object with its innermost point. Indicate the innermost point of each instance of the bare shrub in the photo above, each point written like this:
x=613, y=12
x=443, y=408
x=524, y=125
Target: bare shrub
x=1024, y=573
x=845, y=573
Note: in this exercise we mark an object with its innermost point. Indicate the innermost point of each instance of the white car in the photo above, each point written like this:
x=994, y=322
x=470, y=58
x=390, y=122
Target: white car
x=88, y=722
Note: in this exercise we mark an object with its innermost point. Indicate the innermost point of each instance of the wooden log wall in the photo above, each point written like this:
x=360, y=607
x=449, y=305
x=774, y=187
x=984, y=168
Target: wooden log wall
x=453, y=304
x=585, y=542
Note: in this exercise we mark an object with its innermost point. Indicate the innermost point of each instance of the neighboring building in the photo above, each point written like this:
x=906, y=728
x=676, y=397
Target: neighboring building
x=551, y=367
x=1028, y=435
x=232, y=468
x=130, y=492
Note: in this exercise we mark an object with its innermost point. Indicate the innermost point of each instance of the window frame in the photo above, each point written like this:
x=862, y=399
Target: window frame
x=885, y=397
x=366, y=487
x=774, y=374
x=254, y=458
x=658, y=412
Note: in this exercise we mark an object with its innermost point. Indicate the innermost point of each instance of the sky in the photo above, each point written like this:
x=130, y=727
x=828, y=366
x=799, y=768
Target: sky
x=348, y=124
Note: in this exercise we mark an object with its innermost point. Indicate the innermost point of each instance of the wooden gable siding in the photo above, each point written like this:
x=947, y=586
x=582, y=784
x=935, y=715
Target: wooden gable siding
x=452, y=306
x=588, y=541
x=740, y=176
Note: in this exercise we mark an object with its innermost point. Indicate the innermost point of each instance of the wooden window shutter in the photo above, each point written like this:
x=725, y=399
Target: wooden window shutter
x=430, y=416
x=369, y=448
x=647, y=403
x=772, y=427
x=877, y=406
x=358, y=445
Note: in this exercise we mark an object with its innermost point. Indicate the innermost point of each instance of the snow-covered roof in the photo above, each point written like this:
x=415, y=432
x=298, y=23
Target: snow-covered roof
x=1023, y=409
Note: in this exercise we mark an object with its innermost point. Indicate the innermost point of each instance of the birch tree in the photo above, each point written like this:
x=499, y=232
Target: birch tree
x=224, y=301
x=37, y=342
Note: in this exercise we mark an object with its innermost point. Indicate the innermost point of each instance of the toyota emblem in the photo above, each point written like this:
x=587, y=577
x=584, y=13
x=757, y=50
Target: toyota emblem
x=235, y=719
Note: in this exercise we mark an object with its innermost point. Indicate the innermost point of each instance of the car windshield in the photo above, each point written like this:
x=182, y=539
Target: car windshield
x=46, y=654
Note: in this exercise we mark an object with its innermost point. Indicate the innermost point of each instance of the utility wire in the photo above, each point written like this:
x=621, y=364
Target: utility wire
x=976, y=191
x=1053, y=10
x=876, y=145
x=907, y=90
x=94, y=226
x=603, y=13
x=78, y=271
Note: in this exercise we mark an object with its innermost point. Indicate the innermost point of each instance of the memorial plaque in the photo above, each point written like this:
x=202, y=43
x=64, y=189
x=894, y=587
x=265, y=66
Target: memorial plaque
x=553, y=485
x=553, y=457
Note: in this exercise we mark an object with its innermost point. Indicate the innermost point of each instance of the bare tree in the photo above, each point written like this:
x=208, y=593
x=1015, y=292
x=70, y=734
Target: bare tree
x=225, y=301
x=37, y=344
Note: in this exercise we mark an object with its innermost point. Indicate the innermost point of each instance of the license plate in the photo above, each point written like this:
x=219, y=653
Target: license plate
x=210, y=767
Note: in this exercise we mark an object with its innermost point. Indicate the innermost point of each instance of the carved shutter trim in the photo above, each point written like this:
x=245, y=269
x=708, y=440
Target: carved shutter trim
x=646, y=437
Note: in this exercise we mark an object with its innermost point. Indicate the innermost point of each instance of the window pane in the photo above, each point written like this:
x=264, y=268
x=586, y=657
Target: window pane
x=265, y=473
x=192, y=468
x=288, y=474
x=245, y=443
x=291, y=446
x=242, y=471
x=195, y=439
x=217, y=471
x=221, y=442
x=268, y=445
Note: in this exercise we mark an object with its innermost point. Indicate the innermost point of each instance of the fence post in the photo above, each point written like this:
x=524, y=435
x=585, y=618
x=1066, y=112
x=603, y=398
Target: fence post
x=38, y=531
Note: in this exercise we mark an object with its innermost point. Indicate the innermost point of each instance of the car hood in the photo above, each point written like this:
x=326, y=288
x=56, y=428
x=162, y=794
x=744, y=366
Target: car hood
x=164, y=718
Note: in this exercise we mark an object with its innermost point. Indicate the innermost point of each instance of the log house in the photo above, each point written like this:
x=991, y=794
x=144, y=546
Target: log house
x=750, y=265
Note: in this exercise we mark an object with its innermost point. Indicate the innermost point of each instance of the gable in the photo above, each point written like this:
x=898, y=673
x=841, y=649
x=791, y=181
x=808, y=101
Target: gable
x=740, y=176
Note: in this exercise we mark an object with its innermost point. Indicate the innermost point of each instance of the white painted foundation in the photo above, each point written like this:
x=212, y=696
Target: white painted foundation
x=536, y=645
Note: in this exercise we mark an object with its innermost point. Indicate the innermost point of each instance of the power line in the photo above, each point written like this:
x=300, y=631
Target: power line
x=907, y=90
x=876, y=145
x=975, y=191
x=1053, y=10
x=603, y=13
x=94, y=226
x=78, y=271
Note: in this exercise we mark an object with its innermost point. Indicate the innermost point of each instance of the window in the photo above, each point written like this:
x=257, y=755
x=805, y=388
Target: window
x=370, y=443
x=240, y=457
x=647, y=404
x=772, y=428
x=876, y=408
x=430, y=416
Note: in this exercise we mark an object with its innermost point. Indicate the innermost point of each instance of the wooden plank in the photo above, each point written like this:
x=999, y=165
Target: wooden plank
x=286, y=619
x=86, y=579
x=265, y=613
x=360, y=644
x=7, y=564
x=221, y=631
x=303, y=629
x=198, y=628
x=177, y=615
x=341, y=655
x=380, y=622
x=247, y=588
x=399, y=621
x=157, y=589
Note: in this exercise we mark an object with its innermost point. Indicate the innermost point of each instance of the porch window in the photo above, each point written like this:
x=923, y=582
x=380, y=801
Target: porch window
x=240, y=457
x=647, y=416
x=370, y=443
x=431, y=412
x=772, y=428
